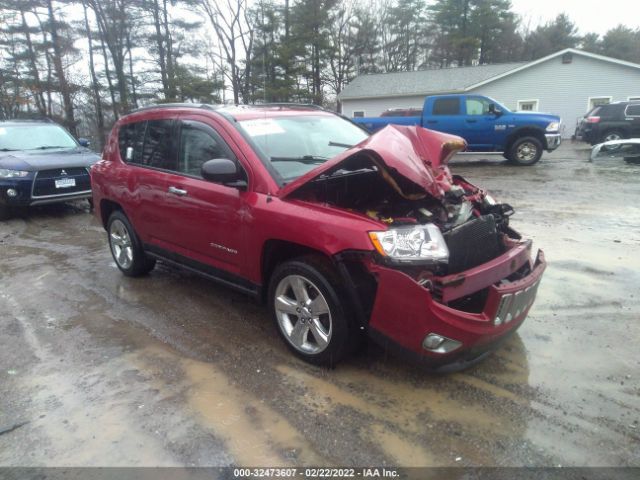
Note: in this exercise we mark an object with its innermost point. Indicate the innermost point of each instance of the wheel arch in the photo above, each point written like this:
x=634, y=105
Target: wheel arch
x=525, y=131
x=107, y=207
x=276, y=251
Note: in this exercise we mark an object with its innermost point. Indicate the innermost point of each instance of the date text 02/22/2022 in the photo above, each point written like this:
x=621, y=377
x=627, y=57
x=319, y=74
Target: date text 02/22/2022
x=373, y=472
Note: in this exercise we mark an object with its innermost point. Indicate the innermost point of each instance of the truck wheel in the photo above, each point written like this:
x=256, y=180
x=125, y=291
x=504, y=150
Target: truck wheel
x=525, y=151
x=310, y=315
x=611, y=135
x=126, y=248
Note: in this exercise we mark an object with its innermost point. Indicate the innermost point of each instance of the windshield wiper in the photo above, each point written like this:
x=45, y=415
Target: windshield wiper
x=47, y=147
x=309, y=159
x=338, y=144
x=7, y=149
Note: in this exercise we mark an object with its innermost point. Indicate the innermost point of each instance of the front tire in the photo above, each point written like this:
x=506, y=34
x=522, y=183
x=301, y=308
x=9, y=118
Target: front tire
x=525, y=151
x=126, y=247
x=309, y=313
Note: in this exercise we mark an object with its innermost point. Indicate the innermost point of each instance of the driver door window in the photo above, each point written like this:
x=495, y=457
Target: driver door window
x=199, y=144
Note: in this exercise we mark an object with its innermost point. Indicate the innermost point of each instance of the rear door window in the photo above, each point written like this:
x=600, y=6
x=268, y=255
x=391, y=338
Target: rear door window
x=199, y=143
x=446, y=106
x=158, y=151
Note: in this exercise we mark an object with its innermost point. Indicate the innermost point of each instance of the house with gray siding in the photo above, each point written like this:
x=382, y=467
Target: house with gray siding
x=567, y=83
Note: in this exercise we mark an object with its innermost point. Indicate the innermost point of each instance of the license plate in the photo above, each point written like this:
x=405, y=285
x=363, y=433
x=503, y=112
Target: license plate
x=65, y=182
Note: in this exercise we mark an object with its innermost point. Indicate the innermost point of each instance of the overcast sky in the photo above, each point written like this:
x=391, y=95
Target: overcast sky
x=589, y=15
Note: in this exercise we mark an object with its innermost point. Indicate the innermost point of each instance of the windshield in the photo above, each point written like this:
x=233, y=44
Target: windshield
x=298, y=144
x=34, y=137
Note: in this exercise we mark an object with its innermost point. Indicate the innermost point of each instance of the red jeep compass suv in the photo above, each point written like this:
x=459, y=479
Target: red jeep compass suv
x=341, y=233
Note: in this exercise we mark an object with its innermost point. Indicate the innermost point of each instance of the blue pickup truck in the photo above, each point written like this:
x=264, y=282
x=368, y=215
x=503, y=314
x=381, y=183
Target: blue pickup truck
x=486, y=125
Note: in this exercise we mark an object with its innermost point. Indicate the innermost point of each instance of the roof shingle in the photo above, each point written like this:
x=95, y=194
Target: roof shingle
x=422, y=82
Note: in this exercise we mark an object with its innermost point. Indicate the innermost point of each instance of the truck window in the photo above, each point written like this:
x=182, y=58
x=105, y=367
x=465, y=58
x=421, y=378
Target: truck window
x=477, y=106
x=446, y=106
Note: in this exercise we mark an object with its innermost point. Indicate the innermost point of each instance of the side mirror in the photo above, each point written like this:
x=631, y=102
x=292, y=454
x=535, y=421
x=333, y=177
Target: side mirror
x=224, y=171
x=84, y=142
x=494, y=110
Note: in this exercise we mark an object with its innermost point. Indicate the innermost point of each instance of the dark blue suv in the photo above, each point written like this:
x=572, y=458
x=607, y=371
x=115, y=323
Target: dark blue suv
x=40, y=162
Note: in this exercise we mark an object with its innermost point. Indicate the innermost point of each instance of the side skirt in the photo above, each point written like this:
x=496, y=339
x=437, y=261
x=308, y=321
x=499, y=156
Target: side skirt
x=212, y=273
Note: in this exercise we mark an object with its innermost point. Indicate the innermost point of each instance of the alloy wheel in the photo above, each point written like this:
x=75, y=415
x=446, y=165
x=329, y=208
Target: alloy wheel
x=303, y=314
x=526, y=151
x=120, y=242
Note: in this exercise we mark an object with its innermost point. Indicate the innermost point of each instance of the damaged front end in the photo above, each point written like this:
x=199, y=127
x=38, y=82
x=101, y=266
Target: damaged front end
x=447, y=277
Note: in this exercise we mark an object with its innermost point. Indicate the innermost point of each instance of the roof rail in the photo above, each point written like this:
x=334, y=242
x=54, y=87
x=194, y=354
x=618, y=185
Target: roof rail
x=288, y=105
x=205, y=106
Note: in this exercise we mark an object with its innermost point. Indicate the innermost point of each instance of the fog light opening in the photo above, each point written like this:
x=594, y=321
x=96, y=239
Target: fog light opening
x=439, y=344
x=12, y=192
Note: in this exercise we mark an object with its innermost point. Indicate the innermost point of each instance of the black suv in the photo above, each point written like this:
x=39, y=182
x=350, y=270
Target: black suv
x=40, y=162
x=613, y=121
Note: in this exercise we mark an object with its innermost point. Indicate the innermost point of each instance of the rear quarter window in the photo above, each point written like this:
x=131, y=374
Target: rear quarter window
x=131, y=135
x=633, y=110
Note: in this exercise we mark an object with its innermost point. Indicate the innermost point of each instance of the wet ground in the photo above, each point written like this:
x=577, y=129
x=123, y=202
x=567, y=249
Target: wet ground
x=170, y=369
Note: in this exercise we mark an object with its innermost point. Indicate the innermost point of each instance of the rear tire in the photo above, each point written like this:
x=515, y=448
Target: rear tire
x=525, y=151
x=309, y=312
x=611, y=135
x=126, y=247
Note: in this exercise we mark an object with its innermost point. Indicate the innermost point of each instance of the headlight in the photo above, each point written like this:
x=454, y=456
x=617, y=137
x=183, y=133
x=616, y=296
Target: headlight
x=416, y=243
x=6, y=173
x=553, y=127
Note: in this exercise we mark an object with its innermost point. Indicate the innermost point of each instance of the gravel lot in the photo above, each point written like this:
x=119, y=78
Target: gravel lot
x=171, y=369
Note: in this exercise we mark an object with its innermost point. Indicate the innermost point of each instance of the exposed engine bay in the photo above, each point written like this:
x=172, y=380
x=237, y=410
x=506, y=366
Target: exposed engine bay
x=472, y=223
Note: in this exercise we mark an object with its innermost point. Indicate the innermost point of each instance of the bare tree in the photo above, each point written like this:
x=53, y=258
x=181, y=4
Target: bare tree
x=58, y=51
x=95, y=85
x=112, y=17
x=230, y=21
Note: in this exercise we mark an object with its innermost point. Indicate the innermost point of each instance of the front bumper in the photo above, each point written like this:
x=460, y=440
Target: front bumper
x=553, y=141
x=405, y=312
x=23, y=193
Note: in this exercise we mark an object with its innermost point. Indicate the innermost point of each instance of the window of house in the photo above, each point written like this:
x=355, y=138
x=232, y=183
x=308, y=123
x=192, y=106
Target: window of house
x=157, y=150
x=477, y=106
x=357, y=114
x=528, y=105
x=596, y=101
x=199, y=144
x=446, y=106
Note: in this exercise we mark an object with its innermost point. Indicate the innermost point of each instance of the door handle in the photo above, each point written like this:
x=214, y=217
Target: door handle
x=177, y=191
x=471, y=120
x=432, y=121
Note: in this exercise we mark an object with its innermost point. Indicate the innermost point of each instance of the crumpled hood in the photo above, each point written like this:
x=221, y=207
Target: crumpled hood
x=45, y=160
x=414, y=153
